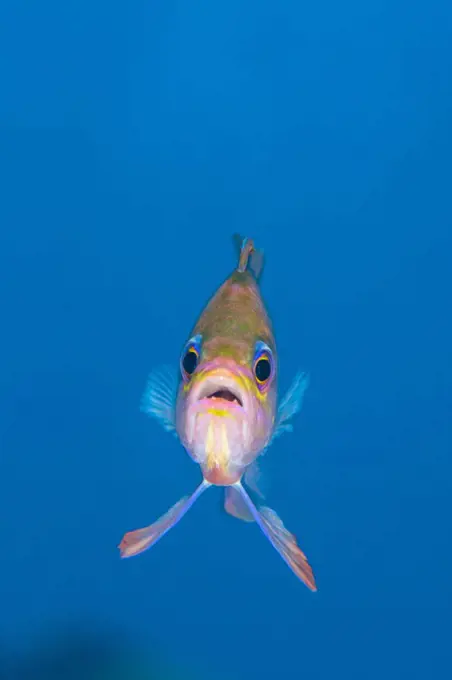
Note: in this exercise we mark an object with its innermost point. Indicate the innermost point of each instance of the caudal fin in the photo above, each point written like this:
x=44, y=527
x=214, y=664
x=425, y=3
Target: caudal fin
x=136, y=542
x=281, y=539
x=249, y=257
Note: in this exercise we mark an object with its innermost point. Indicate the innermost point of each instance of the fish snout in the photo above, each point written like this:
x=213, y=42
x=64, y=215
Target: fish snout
x=222, y=386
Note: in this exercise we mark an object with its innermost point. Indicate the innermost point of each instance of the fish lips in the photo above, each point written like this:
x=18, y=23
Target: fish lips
x=221, y=389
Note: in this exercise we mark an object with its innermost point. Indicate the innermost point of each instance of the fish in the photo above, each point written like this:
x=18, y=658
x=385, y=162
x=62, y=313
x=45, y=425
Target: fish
x=222, y=404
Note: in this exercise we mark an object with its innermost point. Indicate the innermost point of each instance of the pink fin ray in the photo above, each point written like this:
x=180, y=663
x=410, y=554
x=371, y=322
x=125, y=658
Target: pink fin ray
x=136, y=542
x=281, y=539
x=236, y=506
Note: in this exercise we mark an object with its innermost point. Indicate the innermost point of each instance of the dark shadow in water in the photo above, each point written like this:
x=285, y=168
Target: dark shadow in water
x=85, y=653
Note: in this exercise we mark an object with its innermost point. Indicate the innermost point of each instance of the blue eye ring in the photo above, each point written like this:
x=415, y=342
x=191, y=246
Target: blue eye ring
x=263, y=365
x=190, y=357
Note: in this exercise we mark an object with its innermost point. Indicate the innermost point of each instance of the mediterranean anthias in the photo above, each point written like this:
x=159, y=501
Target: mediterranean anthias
x=224, y=408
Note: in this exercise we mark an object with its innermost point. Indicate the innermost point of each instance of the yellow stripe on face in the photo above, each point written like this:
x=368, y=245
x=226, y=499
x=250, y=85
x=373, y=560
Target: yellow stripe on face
x=224, y=443
x=209, y=441
x=219, y=412
x=217, y=458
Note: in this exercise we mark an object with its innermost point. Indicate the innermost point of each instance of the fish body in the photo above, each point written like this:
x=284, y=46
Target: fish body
x=224, y=417
x=224, y=409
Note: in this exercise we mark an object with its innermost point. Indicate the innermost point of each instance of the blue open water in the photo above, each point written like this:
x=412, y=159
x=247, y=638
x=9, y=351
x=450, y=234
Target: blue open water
x=135, y=138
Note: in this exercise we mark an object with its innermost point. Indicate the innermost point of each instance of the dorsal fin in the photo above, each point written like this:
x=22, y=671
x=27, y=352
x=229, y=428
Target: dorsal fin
x=249, y=257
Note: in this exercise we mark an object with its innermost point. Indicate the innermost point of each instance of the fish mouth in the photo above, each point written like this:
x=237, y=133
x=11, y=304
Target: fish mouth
x=226, y=395
x=222, y=388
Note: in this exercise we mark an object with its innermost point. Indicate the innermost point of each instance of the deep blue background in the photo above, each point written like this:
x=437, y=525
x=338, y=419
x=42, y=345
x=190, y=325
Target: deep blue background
x=135, y=138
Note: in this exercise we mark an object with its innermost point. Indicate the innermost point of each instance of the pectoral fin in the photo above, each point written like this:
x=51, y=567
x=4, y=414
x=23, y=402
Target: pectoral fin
x=253, y=478
x=281, y=539
x=159, y=397
x=290, y=405
x=136, y=542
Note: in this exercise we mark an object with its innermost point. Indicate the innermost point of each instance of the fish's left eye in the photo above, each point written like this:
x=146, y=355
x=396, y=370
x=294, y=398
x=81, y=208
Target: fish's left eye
x=262, y=369
x=263, y=364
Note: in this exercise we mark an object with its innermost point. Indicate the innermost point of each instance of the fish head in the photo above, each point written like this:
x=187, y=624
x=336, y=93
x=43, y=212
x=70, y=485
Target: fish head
x=226, y=402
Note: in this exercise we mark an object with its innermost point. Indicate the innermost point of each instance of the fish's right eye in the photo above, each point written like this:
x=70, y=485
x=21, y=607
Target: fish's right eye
x=190, y=357
x=190, y=361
